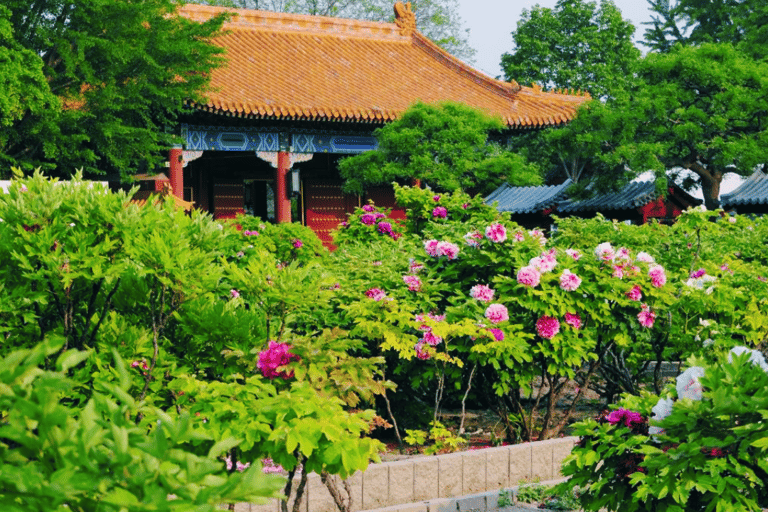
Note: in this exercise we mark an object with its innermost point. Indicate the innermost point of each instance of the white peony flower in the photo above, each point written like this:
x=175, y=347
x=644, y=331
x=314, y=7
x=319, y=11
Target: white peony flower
x=688, y=384
x=645, y=257
x=661, y=410
x=755, y=357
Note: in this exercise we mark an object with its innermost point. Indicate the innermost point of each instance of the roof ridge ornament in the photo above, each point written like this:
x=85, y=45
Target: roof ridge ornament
x=405, y=18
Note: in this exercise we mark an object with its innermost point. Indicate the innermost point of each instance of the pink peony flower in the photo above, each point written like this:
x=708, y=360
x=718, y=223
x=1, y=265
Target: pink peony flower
x=646, y=317
x=573, y=253
x=635, y=293
x=496, y=313
x=435, y=198
x=413, y=282
x=482, y=293
x=473, y=239
x=605, y=252
x=234, y=293
x=376, y=294
x=574, y=320
x=698, y=273
x=547, y=327
x=496, y=233
x=528, y=276
x=449, y=250
x=297, y=243
x=622, y=255
x=519, y=236
x=431, y=247
x=657, y=275
x=276, y=355
x=618, y=271
x=414, y=266
x=269, y=466
x=369, y=208
x=439, y=212
x=645, y=257
x=569, y=281
x=544, y=263
x=368, y=219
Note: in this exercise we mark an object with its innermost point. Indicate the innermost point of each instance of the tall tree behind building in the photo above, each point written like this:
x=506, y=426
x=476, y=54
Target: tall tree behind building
x=102, y=82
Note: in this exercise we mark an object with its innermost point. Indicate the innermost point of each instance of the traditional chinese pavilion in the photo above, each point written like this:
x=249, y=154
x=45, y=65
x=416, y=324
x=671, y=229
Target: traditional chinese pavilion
x=299, y=92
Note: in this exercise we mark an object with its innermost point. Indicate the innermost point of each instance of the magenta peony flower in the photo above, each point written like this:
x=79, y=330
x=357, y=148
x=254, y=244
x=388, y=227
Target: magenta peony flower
x=421, y=353
x=440, y=212
x=498, y=334
x=481, y=292
x=431, y=339
x=624, y=416
x=497, y=313
x=569, y=281
x=297, y=243
x=276, y=355
x=496, y=233
x=435, y=198
x=547, y=327
x=368, y=219
x=451, y=251
x=385, y=228
x=635, y=293
x=369, y=208
x=529, y=276
x=698, y=273
x=431, y=247
x=574, y=320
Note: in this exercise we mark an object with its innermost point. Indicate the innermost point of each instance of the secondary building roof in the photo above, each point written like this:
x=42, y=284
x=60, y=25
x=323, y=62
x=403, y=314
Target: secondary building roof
x=753, y=191
x=633, y=195
x=300, y=67
x=527, y=199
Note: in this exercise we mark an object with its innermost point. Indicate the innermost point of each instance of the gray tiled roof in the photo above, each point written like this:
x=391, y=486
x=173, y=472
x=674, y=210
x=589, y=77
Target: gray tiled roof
x=527, y=199
x=754, y=190
x=633, y=195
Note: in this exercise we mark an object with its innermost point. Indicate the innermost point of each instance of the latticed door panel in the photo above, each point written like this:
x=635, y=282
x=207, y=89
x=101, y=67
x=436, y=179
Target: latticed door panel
x=326, y=207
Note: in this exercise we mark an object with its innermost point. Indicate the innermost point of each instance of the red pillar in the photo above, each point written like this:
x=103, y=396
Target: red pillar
x=282, y=202
x=176, y=159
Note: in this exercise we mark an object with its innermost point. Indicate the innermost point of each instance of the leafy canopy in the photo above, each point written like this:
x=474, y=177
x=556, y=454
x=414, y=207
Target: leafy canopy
x=96, y=83
x=445, y=145
x=575, y=45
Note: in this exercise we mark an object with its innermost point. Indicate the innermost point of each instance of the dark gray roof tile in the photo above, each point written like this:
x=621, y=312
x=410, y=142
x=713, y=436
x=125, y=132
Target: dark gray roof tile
x=633, y=195
x=753, y=191
x=527, y=199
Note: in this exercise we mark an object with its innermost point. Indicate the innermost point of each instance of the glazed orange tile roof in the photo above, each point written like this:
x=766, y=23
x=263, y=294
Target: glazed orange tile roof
x=301, y=67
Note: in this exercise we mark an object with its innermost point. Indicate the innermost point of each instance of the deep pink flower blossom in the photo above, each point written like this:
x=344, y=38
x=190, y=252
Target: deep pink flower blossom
x=569, y=281
x=624, y=416
x=297, y=243
x=376, y=294
x=435, y=198
x=276, y=355
x=421, y=353
x=698, y=273
x=413, y=282
x=498, y=334
x=473, y=238
x=519, y=236
x=574, y=320
x=657, y=275
x=448, y=249
x=431, y=339
x=547, y=327
x=635, y=293
x=481, y=292
x=234, y=293
x=496, y=233
x=414, y=266
x=497, y=313
x=528, y=276
x=369, y=208
x=385, y=228
x=439, y=212
x=368, y=219
x=646, y=317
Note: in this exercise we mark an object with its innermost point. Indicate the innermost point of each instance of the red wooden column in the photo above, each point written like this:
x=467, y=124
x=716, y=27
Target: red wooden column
x=176, y=160
x=282, y=202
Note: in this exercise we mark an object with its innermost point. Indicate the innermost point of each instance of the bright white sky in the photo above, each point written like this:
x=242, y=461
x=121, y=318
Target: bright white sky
x=491, y=22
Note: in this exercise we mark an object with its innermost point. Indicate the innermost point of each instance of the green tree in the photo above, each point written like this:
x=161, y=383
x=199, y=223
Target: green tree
x=446, y=146
x=438, y=20
x=116, y=75
x=575, y=45
x=701, y=109
x=693, y=22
